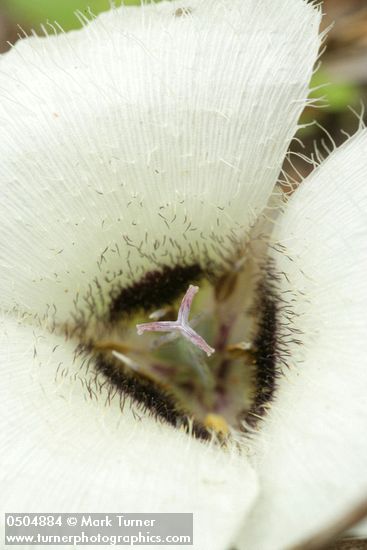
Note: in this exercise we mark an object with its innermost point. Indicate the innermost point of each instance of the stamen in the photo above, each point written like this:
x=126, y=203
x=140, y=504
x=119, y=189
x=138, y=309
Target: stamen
x=242, y=349
x=159, y=313
x=217, y=423
x=181, y=325
x=126, y=360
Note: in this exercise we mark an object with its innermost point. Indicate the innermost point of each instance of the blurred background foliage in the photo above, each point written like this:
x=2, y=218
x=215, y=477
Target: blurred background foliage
x=341, y=79
x=34, y=13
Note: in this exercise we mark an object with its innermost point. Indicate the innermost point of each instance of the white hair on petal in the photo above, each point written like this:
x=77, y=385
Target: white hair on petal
x=143, y=140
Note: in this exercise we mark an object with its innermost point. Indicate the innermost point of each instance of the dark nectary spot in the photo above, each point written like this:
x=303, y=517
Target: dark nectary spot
x=265, y=350
x=149, y=396
x=156, y=289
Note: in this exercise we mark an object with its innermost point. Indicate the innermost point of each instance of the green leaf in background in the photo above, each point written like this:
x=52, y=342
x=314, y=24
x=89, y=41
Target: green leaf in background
x=338, y=95
x=33, y=13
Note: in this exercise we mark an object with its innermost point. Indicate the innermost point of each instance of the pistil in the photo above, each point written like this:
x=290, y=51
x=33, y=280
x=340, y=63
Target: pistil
x=181, y=325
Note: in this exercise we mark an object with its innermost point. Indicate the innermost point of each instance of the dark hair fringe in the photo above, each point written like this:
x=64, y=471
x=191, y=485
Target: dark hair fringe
x=275, y=331
x=156, y=289
x=148, y=396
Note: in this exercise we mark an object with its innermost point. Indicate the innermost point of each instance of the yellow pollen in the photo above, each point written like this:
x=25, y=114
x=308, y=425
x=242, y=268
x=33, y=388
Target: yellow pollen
x=217, y=423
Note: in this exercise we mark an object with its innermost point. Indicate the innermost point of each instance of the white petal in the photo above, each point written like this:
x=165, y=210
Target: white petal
x=168, y=131
x=311, y=452
x=62, y=451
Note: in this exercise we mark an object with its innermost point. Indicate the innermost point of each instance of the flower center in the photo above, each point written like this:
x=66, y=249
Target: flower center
x=206, y=361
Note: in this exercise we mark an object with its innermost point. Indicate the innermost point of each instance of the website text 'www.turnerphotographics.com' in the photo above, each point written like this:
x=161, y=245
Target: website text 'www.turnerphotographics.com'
x=98, y=529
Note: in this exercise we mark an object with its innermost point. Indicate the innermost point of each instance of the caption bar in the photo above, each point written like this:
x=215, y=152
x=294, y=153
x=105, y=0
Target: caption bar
x=98, y=529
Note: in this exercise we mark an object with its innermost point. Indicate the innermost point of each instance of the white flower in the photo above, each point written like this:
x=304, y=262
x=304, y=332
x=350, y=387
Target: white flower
x=139, y=156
